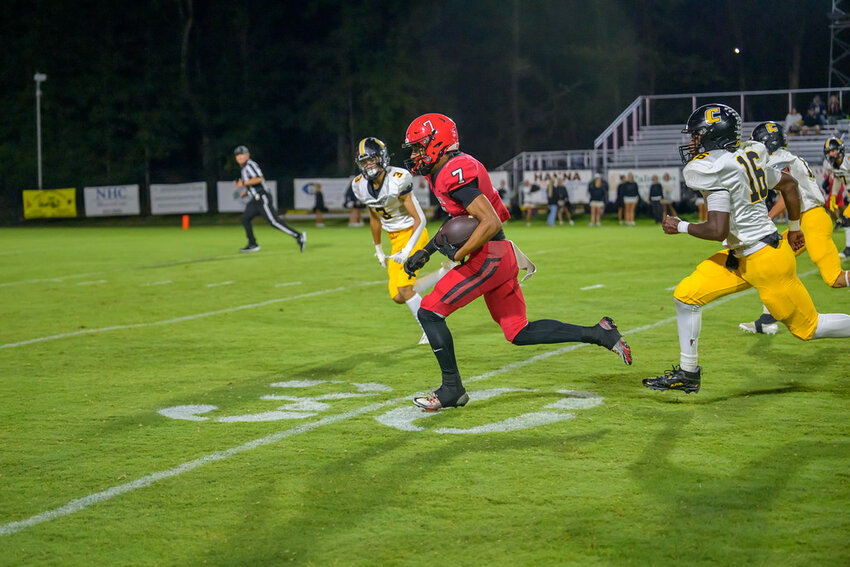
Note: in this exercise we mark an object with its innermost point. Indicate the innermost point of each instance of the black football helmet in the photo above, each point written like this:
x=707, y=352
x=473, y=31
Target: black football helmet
x=372, y=157
x=711, y=127
x=833, y=143
x=771, y=134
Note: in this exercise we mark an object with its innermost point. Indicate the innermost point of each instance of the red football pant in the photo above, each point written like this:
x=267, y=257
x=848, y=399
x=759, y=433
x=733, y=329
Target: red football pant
x=490, y=271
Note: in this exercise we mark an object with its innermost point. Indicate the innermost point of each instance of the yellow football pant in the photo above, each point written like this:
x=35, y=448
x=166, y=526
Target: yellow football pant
x=817, y=228
x=398, y=277
x=772, y=271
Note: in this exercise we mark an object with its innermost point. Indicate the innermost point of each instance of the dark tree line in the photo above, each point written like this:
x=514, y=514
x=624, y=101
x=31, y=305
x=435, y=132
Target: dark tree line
x=162, y=90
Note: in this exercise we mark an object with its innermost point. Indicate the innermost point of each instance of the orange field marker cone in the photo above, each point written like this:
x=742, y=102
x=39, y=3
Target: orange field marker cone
x=185, y=222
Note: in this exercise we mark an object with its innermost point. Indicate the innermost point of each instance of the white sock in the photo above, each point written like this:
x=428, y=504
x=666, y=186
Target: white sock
x=413, y=304
x=847, y=236
x=689, y=319
x=832, y=325
x=765, y=310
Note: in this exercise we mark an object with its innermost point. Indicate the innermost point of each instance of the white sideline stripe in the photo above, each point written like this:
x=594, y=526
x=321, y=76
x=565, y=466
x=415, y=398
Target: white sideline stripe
x=54, y=280
x=597, y=286
x=163, y=282
x=219, y=284
x=170, y=321
x=98, y=497
x=286, y=284
x=95, y=282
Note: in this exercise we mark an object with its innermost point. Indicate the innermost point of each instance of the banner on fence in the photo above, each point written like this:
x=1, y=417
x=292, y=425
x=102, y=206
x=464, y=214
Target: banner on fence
x=668, y=177
x=50, y=203
x=111, y=200
x=229, y=200
x=533, y=188
x=333, y=190
x=177, y=198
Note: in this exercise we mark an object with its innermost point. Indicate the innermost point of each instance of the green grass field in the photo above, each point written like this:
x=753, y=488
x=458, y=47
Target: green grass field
x=302, y=445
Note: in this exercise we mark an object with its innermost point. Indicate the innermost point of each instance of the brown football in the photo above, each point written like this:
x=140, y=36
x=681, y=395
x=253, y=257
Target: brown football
x=457, y=230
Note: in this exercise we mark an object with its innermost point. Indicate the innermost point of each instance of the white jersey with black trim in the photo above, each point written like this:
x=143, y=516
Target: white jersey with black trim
x=746, y=177
x=841, y=173
x=810, y=192
x=386, y=203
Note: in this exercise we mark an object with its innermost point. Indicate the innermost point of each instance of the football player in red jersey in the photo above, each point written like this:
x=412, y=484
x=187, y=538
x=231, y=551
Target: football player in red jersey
x=489, y=263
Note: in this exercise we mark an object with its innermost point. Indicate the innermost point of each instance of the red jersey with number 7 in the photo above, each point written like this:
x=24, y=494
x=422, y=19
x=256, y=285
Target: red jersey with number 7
x=460, y=170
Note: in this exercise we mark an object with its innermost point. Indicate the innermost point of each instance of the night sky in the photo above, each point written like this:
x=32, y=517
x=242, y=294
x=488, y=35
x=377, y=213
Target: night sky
x=162, y=90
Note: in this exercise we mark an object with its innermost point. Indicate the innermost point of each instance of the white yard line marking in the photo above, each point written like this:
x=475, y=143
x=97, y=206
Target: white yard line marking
x=286, y=284
x=95, y=282
x=597, y=286
x=219, y=284
x=52, y=280
x=163, y=282
x=175, y=320
x=98, y=497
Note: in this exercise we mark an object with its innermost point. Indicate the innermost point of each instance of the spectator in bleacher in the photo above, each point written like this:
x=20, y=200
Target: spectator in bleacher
x=551, y=201
x=834, y=112
x=702, y=210
x=630, y=199
x=530, y=195
x=811, y=121
x=598, y=196
x=319, y=207
x=793, y=121
x=355, y=218
x=820, y=109
x=656, y=194
x=621, y=209
x=563, y=202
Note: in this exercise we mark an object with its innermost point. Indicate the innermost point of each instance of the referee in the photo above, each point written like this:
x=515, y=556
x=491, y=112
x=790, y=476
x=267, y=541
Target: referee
x=252, y=184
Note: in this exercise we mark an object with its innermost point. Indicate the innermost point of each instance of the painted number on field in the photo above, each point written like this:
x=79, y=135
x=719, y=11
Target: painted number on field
x=297, y=407
x=403, y=418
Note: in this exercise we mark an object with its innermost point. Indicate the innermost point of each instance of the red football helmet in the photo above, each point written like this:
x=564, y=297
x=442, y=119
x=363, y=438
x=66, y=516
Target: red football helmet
x=435, y=134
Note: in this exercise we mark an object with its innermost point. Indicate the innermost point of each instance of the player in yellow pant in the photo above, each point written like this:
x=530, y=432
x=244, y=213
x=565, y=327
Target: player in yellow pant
x=815, y=222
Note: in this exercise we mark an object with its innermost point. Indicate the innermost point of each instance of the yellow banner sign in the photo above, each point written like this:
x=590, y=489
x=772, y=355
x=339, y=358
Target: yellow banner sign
x=50, y=203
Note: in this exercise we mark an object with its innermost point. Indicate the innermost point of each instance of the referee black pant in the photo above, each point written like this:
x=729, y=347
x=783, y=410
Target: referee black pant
x=263, y=206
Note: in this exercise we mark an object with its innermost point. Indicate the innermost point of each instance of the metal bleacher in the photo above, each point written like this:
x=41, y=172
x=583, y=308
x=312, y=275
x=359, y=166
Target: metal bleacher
x=637, y=138
x=658, y=146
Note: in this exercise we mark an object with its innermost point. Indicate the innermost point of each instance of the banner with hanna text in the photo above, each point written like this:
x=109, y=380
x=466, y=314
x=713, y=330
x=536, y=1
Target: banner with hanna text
x=50, y=203
x=533, y=188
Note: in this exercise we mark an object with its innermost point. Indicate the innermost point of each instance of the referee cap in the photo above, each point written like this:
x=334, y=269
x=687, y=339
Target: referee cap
x=241, y=150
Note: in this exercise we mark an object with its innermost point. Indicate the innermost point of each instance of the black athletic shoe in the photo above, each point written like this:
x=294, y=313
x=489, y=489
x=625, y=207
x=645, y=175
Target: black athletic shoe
x=675, y=379
x=250, y=248
x=613, y=340
x=301, y=239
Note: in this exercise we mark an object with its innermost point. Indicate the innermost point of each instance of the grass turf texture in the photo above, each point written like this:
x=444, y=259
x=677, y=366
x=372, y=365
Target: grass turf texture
x=752, y=470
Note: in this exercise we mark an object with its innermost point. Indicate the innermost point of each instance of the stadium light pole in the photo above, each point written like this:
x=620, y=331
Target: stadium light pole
x=39, y=78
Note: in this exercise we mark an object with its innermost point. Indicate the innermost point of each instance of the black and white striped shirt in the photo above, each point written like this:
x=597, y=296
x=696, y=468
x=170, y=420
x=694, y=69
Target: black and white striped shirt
x=249, y=171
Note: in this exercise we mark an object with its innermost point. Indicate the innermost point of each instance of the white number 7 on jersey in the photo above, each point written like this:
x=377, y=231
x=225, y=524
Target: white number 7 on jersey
x=459, y=174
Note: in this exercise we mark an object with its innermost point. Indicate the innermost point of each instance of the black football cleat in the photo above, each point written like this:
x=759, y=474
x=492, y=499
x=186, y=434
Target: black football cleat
x=250, y=248
x=613, y=340
x=676, y=379
x=301, y=240
x=431, y=402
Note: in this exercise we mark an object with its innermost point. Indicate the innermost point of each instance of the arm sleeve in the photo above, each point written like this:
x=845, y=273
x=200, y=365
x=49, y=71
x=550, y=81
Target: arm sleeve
x=466, y=193
x=414, y=238
x=718, y=201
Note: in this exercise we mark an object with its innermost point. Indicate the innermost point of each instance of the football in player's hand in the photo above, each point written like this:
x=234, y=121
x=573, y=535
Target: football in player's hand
x=457, y=230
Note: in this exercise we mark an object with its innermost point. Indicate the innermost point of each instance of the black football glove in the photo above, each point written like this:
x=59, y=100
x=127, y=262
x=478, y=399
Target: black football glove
x=449, y=250
x=415, y=262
